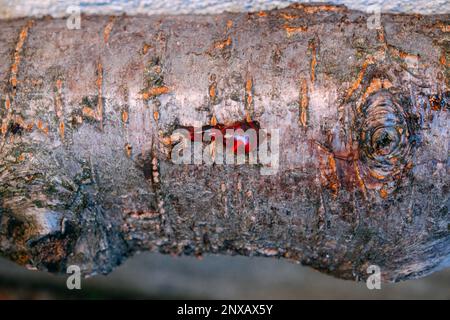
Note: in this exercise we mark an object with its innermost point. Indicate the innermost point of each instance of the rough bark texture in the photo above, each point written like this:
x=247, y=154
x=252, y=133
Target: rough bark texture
x=85, y=171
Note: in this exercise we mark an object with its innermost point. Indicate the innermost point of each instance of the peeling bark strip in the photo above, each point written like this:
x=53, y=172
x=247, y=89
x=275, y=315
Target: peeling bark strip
x=17, y=54
x=249, y=106
x=108, y=28
x=363, y=139
x=313, y=44
x=97, y=113
x=10, y=93
x=304, y=101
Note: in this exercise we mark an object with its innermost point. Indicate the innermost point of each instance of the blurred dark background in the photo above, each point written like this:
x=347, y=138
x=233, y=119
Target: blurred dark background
x=150, y=275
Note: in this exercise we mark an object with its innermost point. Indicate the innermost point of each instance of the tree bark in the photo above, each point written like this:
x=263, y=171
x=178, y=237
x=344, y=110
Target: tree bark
x=87, y=175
